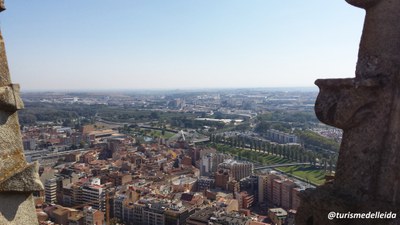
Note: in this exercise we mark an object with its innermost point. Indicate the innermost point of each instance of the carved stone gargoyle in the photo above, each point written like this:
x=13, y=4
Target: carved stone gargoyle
x=367, y=108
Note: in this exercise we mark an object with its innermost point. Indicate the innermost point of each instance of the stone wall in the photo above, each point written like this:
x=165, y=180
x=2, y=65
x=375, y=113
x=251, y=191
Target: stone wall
x=17, y=178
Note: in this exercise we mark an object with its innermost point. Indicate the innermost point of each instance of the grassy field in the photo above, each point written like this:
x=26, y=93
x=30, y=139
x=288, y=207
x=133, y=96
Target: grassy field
x=309, y=173
x=266, y=159
x=157, y=133
x=313, y=175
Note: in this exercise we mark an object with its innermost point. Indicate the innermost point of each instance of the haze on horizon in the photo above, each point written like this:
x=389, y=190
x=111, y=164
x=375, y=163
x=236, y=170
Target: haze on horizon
x=179, y=44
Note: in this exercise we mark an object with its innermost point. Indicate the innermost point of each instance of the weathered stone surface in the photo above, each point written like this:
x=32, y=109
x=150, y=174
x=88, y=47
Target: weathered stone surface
x=10, y=100
x=12, y=158
x=17, y=179
x=363, y=3
x=367, y=108
x=5, y=78
x=17, y=209
x=26, y=181
x=328, y=199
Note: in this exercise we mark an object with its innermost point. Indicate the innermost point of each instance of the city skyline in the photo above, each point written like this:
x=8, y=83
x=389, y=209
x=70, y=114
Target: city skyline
x=131, y=45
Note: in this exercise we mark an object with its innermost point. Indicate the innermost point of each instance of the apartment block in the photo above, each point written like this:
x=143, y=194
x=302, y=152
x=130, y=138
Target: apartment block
x=286, y=200
x=277, y=192
x=50, y=190
x=237, y=170
x=93, y=216
x=296, y=198
x=270, y=184
x=281, y=137
x=262, y=188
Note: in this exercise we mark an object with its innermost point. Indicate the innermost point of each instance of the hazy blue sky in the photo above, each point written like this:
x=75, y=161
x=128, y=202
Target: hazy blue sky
x=131, y=44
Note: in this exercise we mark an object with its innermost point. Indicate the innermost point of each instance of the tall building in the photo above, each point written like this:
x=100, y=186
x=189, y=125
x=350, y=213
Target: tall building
x=250, y=185
x=287, y=186
x=222, y=178
x=295, y=197
x=50, y=190
x=94, y=194
x=72, y=194
x=262, y=188
x=270, y=184
x=206, y=164
x=277, y=192
x=237, y=170
x=210, y=161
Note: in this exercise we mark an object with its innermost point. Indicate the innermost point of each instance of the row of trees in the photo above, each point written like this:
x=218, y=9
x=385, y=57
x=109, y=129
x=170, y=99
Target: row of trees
x=295, y=153
x=290, y=117
x=316, y=142
x=70, y=114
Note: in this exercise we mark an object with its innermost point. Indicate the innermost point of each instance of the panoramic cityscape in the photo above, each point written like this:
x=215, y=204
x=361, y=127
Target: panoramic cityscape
x=226, y=156
x=199, y=112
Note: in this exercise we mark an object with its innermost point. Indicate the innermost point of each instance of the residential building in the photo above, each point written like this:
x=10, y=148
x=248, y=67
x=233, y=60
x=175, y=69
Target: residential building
x=277, y=192
x=262, y=188
x=205, y=183
x=93, y=216
x=277, y=215
x=281, y=137
x=287, y=186
x=50, y=190
x=94, y=194
x=296, y=197
x=237, y=170
x=221, y=179
x=270, y=184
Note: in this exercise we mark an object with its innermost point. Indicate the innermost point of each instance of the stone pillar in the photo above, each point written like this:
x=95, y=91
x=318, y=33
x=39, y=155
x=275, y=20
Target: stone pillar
x=367, y=108
x=17, y=178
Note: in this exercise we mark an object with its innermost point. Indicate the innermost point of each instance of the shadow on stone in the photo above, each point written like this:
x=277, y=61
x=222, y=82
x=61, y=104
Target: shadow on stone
x=4, y=117
x=11, y=203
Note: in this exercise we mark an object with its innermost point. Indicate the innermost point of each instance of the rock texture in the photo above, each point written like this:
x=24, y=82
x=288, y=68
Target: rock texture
x=367, y=108
x=17, y=179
